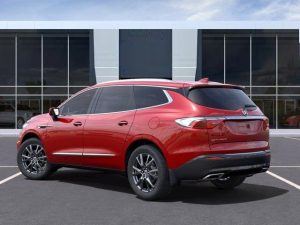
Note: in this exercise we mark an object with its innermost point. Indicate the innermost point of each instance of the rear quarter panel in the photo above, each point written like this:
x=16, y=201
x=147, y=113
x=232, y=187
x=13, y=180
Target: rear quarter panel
x=157, y=124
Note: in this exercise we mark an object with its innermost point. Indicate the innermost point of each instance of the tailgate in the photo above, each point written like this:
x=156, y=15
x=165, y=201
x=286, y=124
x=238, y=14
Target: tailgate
x=239, y=133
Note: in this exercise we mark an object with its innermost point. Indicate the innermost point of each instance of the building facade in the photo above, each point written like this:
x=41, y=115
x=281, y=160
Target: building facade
x=43, y=63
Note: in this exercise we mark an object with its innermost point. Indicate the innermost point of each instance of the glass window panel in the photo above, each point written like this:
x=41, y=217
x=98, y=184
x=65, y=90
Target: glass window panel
x=247, y=90
x=7, y=112
x=29, y=61
x=55, y=61
x=79, y=104
x=288, y=60
x=149, y=96
x=263, y=61
x=288, y=112
x=145, y=54
x=7, y=61
x=29, y=90
x=238, y=60
x=27, y=107
x=80, y=61
x=267, y=104
x=7, y=90
x=213, y=58
x=55, y=90
x=115, y=99
x=220, y=98
x=289, y=90
x=264, y=90
x=74, y=90
x=52, y=101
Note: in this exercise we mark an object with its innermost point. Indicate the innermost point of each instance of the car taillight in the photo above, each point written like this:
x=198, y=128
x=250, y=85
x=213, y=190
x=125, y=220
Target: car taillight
x=199, y=122
x=266, y=124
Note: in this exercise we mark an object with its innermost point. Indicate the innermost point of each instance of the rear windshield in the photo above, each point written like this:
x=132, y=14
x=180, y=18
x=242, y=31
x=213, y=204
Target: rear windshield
x=220, y=98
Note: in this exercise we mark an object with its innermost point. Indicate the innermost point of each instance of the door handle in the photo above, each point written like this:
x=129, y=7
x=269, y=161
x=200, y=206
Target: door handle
x=77, y=124
x=123, y=123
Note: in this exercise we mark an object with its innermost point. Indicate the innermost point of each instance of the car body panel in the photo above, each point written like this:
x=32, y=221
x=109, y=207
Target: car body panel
x=64, y=142
x=104, y=139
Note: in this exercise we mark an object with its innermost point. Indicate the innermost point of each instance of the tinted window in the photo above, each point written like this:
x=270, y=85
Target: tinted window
x=145, y=54
x=7, y=61
x=55, y=61
x=79, y=104
x=263, y=61
x=115, y=99
x=212, y=58
x=220, y=98
x=238, y=60
x=7, y=112
x=79, y=57
x=288, y=61
x=149, y=96
x=29, y=61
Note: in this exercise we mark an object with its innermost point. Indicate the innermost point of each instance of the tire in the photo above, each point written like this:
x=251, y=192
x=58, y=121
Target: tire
x=148, y=174
x=229, y=183
x=20, y=122
x=32, y=160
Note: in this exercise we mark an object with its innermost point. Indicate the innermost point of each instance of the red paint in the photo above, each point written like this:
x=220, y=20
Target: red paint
x=102, y=133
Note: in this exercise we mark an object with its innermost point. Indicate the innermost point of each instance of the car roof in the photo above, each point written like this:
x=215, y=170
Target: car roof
x=165, y=83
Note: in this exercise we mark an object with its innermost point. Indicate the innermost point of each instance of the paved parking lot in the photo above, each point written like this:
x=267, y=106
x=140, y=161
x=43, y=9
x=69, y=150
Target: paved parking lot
x=73, y=196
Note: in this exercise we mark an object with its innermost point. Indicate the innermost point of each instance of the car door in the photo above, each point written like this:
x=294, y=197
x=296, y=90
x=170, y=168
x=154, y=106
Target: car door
x=106, y=129
x=64, y=142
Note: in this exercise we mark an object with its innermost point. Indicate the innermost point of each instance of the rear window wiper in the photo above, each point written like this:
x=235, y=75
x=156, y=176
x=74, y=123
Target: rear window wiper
x=247, y=106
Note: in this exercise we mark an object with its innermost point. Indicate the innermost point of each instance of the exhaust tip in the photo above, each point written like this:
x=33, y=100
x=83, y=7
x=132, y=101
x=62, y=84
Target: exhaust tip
x=213, y=176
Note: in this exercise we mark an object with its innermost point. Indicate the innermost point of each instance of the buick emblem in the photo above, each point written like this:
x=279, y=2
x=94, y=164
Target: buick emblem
x=245, y=112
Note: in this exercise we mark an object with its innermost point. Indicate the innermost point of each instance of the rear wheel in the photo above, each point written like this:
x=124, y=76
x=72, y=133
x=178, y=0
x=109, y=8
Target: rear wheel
x=229, y=182
x=32, y=160
x=148, y=174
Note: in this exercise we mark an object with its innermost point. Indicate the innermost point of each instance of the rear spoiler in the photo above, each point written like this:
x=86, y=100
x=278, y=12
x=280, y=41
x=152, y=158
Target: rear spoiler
x=217, y=85
x=188, y=88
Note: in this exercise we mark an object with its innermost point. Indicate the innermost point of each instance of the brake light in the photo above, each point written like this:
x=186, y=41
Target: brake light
x=199, y=122
x=266, y=124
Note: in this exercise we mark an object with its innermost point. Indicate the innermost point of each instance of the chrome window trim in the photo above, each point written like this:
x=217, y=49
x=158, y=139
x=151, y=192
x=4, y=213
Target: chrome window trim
x=170, y=100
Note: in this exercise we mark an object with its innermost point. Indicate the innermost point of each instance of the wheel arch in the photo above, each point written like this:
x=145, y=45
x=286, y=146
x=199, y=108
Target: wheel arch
x=30, y=135
x=138, y=142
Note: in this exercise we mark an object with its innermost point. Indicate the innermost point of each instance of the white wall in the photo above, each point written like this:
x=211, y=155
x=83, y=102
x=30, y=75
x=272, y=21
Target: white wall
x=184, y=54
x=106, y=54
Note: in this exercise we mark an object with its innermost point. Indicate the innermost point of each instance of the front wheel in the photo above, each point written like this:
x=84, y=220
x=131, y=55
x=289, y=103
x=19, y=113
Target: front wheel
x=32, y=160
x=148, y=174
x=229, y=182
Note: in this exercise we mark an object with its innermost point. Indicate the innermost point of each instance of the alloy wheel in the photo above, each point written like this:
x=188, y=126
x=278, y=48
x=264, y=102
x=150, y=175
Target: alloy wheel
x=34, y=159
x=145, y=172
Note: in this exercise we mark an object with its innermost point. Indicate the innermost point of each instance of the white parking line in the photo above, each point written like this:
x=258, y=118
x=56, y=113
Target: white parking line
x=284, y=180
x=285, y=166
x=298, y=139
x=10, y=178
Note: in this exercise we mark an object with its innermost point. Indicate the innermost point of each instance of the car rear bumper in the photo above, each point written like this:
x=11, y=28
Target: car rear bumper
x=227, y=164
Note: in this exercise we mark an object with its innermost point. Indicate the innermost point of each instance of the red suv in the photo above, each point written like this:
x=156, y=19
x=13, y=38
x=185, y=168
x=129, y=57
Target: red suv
x=158, y=132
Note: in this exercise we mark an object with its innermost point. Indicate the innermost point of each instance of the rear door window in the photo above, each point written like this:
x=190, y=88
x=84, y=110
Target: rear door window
x=115, y=99
x=149, y=96
x=220, y=98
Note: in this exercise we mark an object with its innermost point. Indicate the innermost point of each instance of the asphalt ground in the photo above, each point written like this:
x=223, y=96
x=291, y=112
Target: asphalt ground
x=73, y=196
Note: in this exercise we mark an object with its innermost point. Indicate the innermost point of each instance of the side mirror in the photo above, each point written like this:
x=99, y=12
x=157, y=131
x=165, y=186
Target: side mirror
x=54, y=113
